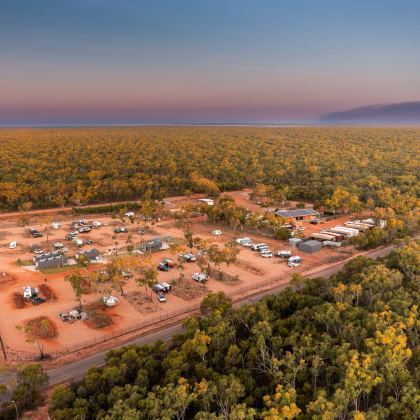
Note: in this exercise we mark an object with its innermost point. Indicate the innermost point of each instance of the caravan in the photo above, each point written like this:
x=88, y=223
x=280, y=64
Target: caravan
x=294, y=261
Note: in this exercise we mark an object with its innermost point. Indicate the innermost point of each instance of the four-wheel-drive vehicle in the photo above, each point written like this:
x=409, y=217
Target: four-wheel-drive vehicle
x=85, y=229
x=216, y=232
x=36, y=300
x=166, y=286
x=163, y=266
x=256, y=247
x=168, y=261
x=71, y=236
x=58, y=245
x=200, y=277
x=129, y=214
x=110, y=300
x=120, y=230
x=78, y=242
x=127, y=273
x=73, y=315
x=97, y=224
x=12, y=245
x=35, y=233
x=314, y=222
x=161, y=298
x=189, y=257
x=266, y=254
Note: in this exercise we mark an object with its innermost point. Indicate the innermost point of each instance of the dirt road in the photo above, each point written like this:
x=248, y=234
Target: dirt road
x=74, y=371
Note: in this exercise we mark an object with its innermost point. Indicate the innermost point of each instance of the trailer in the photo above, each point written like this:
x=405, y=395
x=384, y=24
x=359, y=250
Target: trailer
x=347, y=232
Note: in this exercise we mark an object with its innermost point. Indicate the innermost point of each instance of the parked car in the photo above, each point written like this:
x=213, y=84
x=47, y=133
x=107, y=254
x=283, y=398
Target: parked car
x=129, y=214
x=161, y=298
x=189, y=257
x=12, y=245
x=85, y=229
x=216, y=232
x=109, y=300
x=166, y=286
x=163, y=266
x=35, y=233
x=127, y=273
x=267, y=254
x=314, y=222
x=55, y=225
x=36, y=300
x=301, y=228
x=120, y=230
x=97, y=224
x=200, y=277
x=169, y=262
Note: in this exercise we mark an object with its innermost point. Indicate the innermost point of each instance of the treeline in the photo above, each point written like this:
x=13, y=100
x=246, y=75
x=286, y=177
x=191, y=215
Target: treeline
x=54, y=167
x=342, y=348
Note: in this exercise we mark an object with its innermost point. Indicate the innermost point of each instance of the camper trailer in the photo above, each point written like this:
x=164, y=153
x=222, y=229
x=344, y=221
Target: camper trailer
x=294, y=261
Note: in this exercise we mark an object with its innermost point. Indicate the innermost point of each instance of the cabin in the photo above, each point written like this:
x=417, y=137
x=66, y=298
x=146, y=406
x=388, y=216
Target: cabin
x=93, y=254
x=50, y=260
x=310, y=246
x=153, y=245
x=298, y=214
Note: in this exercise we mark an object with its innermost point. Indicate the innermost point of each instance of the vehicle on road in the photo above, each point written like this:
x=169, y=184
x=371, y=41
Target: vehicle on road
x=35, y=233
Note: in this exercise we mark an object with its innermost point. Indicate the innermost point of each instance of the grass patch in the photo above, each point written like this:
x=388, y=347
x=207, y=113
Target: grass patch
x=188, y=290
x=18, y=300
x=24, y=263
x=142, y=302
x=42, y=327
x=98, y=316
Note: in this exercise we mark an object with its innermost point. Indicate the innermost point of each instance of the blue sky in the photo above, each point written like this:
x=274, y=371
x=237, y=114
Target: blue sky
x=102, y=61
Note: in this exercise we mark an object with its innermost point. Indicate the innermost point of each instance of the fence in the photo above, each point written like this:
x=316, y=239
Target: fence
x=15, y=355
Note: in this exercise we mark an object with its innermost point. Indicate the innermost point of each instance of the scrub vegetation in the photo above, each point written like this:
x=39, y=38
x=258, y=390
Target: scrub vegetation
x=339, y=348
x=54, y=167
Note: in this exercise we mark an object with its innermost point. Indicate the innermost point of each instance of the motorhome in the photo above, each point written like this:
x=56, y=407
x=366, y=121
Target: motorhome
x=294, y=261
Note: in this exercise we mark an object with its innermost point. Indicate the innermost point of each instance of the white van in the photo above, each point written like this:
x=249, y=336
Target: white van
x=256, y=247
x=294, y=261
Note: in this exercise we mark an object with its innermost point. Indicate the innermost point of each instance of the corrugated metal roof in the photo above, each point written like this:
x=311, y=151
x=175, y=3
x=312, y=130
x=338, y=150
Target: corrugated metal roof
x=297, y=213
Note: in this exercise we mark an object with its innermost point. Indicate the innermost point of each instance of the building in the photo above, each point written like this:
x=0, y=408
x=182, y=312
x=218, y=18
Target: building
x=153, y=245
x=294, y=242
x=208, y=201
x=50, y=260
x=298, y=214
x=93, y=254
x=310, y=246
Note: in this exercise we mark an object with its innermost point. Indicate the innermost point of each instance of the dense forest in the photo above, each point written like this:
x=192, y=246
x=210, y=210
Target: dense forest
x=339, y=348
x=53, y=167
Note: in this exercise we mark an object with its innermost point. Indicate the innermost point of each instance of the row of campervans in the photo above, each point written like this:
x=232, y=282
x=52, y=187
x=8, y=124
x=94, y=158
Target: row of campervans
x=265, y=252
